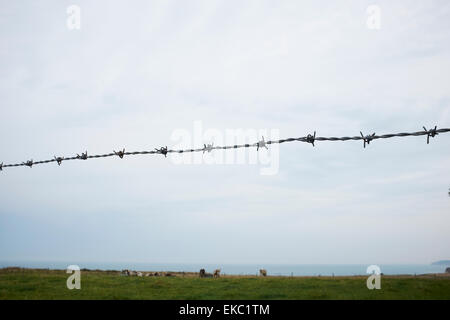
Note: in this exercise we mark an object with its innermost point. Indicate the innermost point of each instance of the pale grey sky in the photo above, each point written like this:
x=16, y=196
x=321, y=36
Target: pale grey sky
x=137, y=71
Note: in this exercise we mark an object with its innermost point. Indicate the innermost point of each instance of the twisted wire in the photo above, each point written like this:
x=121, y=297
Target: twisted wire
x=260, y=144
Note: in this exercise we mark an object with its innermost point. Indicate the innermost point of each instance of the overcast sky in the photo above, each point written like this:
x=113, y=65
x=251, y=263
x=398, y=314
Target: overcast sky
x=138, y=71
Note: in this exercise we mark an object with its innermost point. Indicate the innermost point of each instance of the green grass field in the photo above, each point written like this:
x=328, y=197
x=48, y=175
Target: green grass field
x=51, y=284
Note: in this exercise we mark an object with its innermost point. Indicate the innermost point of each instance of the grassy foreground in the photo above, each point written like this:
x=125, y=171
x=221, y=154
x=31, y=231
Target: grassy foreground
x=51, y=284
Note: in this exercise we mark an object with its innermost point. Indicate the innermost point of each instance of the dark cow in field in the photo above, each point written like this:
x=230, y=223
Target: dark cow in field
x=204, y=274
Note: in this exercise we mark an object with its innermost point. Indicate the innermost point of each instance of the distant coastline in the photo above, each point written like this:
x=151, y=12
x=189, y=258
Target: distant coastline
x=441, y=263
x=241, y=269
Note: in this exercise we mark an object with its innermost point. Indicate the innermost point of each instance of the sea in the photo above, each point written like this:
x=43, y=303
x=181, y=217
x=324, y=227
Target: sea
x=241, y=269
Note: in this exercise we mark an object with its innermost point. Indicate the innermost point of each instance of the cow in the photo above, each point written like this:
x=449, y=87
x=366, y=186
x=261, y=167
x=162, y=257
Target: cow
x=204, y=274
x=263, y=272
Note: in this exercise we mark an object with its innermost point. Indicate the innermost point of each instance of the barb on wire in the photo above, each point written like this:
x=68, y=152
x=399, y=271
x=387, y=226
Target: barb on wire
x=430, y=133
x=311, y=138
x=208, y=147
x=120, y=153
x=367, y=138
x=260, y=144
x=29, y=163
x=83, y=156
x=162, y=150
x=59, y=160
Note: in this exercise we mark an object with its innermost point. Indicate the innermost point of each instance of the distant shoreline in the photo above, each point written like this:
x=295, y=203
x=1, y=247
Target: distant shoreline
x=445, y=263
x=164, y=273
x=238, y=269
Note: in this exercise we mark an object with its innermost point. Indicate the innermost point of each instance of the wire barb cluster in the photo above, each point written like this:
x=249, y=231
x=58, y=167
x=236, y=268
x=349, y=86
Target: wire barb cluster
x=59, y=160
x=310, y=138
x=84, y=156
x=261, y=144
x=430, y=133
x=208, y=147
x=367, y=138
x=163, y=151
x=29, y=163
x=120, y=154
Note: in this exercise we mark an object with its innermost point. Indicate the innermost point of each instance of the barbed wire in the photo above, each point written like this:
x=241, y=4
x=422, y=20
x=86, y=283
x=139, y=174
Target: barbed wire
x=310, y=138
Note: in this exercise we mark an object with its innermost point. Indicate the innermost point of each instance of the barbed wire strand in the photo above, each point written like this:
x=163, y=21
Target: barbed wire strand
x=310, y=138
